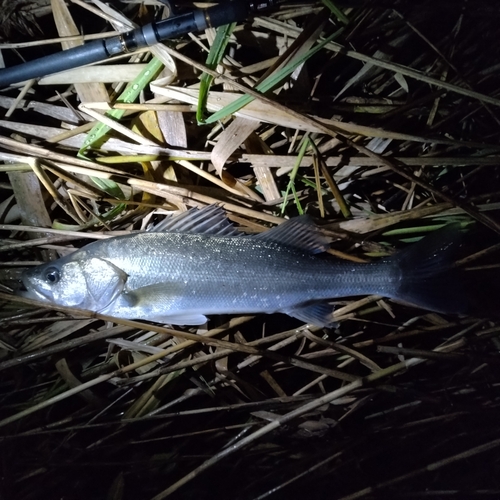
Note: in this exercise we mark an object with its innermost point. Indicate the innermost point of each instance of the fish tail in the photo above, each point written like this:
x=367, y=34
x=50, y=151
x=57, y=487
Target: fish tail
x=428, y=277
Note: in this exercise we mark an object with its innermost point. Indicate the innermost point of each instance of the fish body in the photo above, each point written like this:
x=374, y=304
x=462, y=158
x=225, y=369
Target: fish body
x=190, y=270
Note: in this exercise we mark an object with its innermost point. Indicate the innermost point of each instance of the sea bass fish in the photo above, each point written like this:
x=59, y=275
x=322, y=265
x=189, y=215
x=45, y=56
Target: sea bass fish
x=198, y=264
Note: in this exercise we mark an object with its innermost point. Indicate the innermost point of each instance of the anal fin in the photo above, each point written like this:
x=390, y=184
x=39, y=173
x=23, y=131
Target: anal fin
x=315, y=313
x=180, y=319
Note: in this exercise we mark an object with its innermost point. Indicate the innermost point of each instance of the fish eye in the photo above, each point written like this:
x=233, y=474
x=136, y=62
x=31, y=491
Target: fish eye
x=52, y=275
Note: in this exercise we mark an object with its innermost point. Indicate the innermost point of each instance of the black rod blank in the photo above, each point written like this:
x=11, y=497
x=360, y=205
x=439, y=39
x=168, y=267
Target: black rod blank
x=99, y=50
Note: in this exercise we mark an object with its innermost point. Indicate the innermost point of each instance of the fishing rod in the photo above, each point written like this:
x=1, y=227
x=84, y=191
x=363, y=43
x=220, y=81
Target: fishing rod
x=226, y=12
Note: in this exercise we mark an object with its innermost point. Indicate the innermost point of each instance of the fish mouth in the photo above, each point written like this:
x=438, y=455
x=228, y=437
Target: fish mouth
x=27, y=292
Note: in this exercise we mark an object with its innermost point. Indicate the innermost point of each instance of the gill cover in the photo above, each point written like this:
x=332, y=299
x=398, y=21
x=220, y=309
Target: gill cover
x=96, y=283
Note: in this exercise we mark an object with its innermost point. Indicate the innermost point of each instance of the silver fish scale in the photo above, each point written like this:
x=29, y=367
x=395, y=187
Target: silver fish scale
x=200, y=274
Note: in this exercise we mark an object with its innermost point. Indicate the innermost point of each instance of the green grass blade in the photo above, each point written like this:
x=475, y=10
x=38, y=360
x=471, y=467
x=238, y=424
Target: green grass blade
x=107, y=216
x=336, y=11
x=110, y=187
x=215, y=56
x=293, y=175
x=98, y=133
x=270, y=82
x=344, y=207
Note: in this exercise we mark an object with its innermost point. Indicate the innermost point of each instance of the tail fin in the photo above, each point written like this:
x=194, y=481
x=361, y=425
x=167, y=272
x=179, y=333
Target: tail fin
x=427, y=276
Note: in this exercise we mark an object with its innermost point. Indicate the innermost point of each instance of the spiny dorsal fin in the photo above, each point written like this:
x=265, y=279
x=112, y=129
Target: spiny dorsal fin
x=300, y=233
x=211, y=220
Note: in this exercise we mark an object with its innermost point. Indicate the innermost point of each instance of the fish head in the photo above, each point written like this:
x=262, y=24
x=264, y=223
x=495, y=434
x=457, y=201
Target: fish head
x=85, y=283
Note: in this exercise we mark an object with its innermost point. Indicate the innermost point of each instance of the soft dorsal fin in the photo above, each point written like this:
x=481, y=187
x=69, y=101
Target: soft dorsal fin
x=211, y=220
x=300, y=233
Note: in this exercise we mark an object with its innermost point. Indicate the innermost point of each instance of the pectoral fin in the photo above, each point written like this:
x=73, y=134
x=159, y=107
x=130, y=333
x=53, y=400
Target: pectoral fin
x=157, y=303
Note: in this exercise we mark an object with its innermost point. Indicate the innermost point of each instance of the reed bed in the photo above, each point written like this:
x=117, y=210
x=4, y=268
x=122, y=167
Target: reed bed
x=378, y=119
